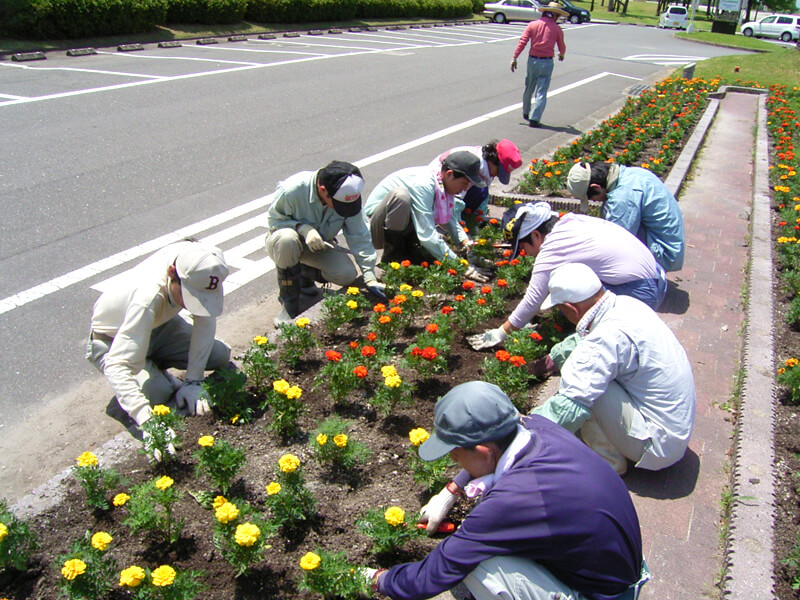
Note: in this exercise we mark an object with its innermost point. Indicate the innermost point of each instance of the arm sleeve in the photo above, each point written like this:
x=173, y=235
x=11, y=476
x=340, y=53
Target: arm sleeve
x=200, y=346
x=534, y=296
x=126, y=358
x=359, y=240
x=562, y=47
x=455, y=229
x=281, y=211
x=426, y=228
x=560, y=409
x=523, y=41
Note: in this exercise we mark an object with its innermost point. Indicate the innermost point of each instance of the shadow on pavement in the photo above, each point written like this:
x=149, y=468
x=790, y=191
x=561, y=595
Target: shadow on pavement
x=677, y=481
x=676, y=301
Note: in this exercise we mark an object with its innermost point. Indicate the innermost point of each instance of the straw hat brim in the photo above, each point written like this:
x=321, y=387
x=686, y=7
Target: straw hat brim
x=555, y=10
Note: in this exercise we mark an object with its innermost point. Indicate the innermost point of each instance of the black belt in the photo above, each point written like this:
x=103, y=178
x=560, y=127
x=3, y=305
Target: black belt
x=542, y=57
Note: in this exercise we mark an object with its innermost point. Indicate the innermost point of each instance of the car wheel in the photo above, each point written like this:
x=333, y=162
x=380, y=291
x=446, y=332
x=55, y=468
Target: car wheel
x=747, y=32
x=574, y=19
x=499, y=18
x=786, y=36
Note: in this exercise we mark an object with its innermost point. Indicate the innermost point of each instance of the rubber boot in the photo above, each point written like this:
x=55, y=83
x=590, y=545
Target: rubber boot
x=308, y=276
x=594, y=437
x=289, y=295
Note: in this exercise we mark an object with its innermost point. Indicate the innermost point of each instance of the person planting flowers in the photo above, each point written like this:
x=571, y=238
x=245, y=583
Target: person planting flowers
x=554, y=519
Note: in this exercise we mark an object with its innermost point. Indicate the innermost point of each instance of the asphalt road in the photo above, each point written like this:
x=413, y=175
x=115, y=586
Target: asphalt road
x=107, y=157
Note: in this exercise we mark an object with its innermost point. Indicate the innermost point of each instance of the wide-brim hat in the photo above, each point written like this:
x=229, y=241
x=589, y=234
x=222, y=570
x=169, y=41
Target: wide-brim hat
x=554, y=7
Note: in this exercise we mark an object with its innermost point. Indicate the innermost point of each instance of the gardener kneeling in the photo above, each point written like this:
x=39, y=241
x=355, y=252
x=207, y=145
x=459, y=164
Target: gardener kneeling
x=553, y=517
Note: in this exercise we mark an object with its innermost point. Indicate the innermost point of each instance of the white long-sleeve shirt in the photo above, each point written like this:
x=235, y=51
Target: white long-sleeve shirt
x=129, y=313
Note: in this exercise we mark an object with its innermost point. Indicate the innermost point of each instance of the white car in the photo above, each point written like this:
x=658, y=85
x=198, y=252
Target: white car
x=674, y=16
x=512, y=10
x=784, y=27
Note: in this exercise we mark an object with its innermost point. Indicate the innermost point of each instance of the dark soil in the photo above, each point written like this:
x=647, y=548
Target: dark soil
x=385, y=480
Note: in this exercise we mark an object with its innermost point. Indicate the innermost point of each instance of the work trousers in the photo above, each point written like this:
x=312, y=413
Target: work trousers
x=286, y=247
x=537, y=82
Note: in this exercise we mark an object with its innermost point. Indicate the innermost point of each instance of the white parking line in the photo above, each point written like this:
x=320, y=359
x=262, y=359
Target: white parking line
x=194, y=58
x=249, y=269
x=98, y=71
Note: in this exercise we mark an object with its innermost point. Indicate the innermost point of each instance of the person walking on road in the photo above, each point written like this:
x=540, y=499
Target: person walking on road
x=137, y=332
x=306, y=213
x=544, y=35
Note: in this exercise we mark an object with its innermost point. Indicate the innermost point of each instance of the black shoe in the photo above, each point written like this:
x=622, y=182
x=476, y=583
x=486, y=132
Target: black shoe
x=533, y=123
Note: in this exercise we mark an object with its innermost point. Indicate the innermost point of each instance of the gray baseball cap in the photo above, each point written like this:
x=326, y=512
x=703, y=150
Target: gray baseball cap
x=471, y=413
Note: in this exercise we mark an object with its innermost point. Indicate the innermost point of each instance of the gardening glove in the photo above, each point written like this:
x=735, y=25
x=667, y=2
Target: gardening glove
x=478, y=274
x=192, y=398
x=488, y=339
x=434, y=512
x=314, y=240
x=375, y=288
x=513, y=64
x=156, y=453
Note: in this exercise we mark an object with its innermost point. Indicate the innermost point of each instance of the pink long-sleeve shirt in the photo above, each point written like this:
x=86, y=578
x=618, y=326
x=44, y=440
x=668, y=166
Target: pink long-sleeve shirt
x=543, y=35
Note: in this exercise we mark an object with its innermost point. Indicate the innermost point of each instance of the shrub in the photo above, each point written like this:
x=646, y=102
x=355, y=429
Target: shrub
x=206, y=11
x=17, y=543
x=86, y=18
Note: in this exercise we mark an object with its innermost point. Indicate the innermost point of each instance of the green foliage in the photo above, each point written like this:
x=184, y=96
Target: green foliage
x=219, y=460
x=257, y=363
x=296, y=340
x=508, y=372
x=17, y=543
x=206, y=11
x=430, y=474
x=331, y=576
x=792, y=561
x=528, y=343
x=332, y=445
x=160, y=433
x=96, y=482
x=284, y=399
x=789, y=376
x=87, y=572
x=186, y=585
x=338, y=374
x=288, y=498
x=338, y=309
x=388, y=529
x=228, y=396
x=242, y=541
x=793, y=312
x=150, y=509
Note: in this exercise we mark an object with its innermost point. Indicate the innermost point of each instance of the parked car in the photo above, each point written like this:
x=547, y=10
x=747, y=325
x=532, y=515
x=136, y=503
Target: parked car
x=576, y=14
x=784, y=27
x=674, y=16
x=512, y=10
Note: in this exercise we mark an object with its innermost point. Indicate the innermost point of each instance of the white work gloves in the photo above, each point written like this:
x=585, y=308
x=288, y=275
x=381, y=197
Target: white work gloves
x=151, y=450
x=435, y=511
x=376, y=288
x=478, y=274
x=192, y=398
x=488, y=339
x=314, y=240
x=513, y=64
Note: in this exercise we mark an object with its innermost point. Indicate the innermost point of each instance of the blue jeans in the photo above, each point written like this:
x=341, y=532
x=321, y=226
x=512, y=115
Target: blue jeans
x=537, y=82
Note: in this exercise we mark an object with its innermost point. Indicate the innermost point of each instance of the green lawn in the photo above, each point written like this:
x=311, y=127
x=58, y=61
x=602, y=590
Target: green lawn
x=639, y=13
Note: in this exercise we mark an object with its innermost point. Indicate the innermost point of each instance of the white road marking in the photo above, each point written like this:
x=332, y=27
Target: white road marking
x=75, y=69
x=664, y=59
x=248, y=269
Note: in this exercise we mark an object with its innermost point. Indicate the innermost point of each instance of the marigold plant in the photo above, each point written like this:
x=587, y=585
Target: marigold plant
x=161, y=432
x=226, y=388
x=508, y=372
x=150, y=508
x=257, y=362
x=330, y=575
x=17, y=542
x=87, y=572
x=432, y=475
x=332, y=446
x=287, y=407
x=240, y=534
x=290, y=502
x=219, y=461
x=388, y=528
x=789, y=376
x=391, y=392
x=96, y=482
x=295, y=341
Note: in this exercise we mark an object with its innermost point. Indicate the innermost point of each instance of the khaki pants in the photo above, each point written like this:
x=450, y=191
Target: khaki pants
x=287, y=248
x=393, y=214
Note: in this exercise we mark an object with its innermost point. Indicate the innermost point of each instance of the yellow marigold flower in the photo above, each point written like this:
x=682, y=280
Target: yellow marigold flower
x=792, y=362
x=288, y=463
x=218, y=501
x=234, y=419
x=87, y=459
x=322, y=439
x=101, y=540
x=131, y=577
x=352, y=304
x=294, y=393
x=206, y=441
x=352, y=291
x=273, y=488
x=160, y=410
x=481, y=242
x=465, y=262
x=163, y=576
x=388, y=371
x=302, y=322
x=418, y=293
x=395, y=265
x=247, y=534
x=781, y=371
x=3, y=531
x=394, y=516
x=418, y=436
x=393, y=381
x=72, y=568
x=405, y=287
x=120, y=499
x=340, y=440
x=517, y=201
x=164, y=483
x=310, y=561
x=226, y=513
x=281, y=386
x=260, y=340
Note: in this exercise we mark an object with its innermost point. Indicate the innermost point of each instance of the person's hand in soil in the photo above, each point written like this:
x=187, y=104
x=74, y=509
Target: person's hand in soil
x=435, y=511
x=488, y=339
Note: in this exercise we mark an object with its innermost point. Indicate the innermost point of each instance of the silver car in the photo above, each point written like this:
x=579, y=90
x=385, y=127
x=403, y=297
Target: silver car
x=784, y=27
x=512, y=10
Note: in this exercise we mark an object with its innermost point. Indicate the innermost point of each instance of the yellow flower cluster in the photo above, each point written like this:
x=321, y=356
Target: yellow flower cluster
x=352, y=304
x=782, y=188
x=404, y=287
x=3, y=531
x=131, y=577
x=781, y=371
x=322, y=439
x=101, y=540
x=392, y=381
x=288, y=463
x=352, y=291
x=160, y=410
x=464, y=262
x=786, y=240
x=260, y=340
x=120, y=499
x=417, y=293
x=294, y=393
x=218, y=501
x=206, y=441
x=394, y=516
x=273, y=488
x=72, y=568
x=281, y=386
x=303, y=322
x=340, y=440
x=247, y=534
x=395, y=265
x=163, y=576
x=87, y=459
x=310, y=561
x=164, y=482
x=418, y=436
x=226, y=513
x=792, y=362
x=388, y=371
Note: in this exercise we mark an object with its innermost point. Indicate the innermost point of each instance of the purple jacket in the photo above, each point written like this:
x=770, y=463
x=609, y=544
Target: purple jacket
x=560, y=505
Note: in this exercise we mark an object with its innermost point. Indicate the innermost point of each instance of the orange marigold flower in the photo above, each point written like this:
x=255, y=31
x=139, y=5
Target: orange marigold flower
x=360, y=371
x=438, y=263
x=502, y=283
x=395, y=310
x=354, y=345
x=515, y=262
x=535, y=336
x=416, y=351
x=468, y=285
x=481, y=302
x=493, y=221
x=372, y=336
x=429, y=353
x=507, y=253
x=558, y=327
x=431, y=328
x=516, y=361
x=452, y=272
x=368, y=351
x=399, y=299
x=405, y=263
x=379, y=308
x=502, y=355
x=446, y=310
x=501, y=263
x=425, y=264
x=383, y=320
x=333, y=356
x=486, y=290
x=460, y=298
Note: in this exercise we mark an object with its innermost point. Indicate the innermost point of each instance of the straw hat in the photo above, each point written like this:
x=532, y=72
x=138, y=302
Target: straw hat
x=555, y=8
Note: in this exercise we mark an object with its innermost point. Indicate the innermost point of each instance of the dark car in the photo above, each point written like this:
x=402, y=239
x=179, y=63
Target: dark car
x=576, y=15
